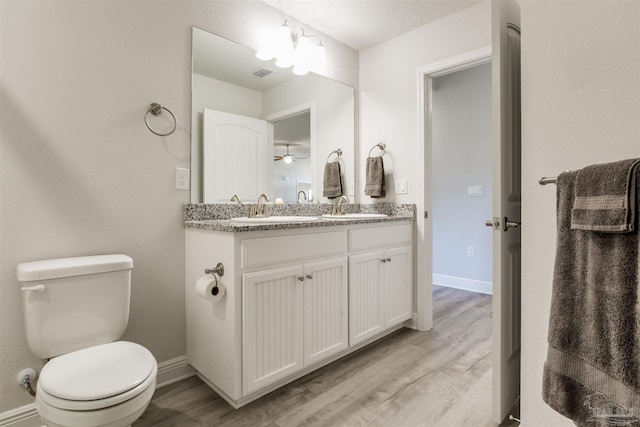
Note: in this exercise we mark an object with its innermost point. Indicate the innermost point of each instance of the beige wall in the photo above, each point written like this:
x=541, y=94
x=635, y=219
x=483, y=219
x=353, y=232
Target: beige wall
x=388, y=91
x=580, y=105
x=80, y=173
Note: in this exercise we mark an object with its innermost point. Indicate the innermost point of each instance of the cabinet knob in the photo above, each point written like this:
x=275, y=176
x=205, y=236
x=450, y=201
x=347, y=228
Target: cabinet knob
x=310, y=276
x=388, y=259
x=301, y=278
x=383, y=260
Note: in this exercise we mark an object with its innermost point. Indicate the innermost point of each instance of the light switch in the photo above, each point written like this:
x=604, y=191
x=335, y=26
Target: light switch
x=401, y=186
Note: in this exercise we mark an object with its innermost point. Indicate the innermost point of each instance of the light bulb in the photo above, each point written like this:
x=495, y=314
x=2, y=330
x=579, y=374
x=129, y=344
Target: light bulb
x=267, y=41
x=284, y=47
x=287, y=159
x=302, y=60
x=319, y=58
x=300, y=70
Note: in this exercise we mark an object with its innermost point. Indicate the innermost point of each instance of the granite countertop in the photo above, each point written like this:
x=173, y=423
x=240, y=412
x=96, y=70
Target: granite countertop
x=228, y=225
x=217, y=217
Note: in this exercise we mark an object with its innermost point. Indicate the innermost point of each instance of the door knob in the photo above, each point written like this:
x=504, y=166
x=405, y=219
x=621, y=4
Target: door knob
x=495, y=223
x=506, y=224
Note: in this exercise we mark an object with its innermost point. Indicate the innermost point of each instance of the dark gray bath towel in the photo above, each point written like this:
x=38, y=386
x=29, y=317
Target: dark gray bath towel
x=375, y=177
x=592, y=372
x=605, y=198
x=332, y=182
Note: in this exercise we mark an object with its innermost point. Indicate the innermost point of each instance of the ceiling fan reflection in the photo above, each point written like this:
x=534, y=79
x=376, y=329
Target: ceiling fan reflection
x=287, y=158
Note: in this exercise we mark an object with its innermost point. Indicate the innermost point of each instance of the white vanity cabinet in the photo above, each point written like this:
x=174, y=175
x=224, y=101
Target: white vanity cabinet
x=291, y=297
x=380, y=281
x=293, y=317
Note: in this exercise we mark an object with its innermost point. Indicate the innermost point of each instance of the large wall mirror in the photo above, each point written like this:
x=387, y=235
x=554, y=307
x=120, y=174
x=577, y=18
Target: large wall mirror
x=257, y=128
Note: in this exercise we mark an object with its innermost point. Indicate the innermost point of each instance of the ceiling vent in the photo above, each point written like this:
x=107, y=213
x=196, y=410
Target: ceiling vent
x=261, y=73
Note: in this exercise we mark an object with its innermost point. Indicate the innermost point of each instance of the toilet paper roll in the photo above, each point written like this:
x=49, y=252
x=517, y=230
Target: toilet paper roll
x=210, y=288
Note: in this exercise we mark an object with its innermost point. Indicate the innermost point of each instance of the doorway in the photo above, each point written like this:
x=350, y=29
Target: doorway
x=506, y=207
x=462, y=179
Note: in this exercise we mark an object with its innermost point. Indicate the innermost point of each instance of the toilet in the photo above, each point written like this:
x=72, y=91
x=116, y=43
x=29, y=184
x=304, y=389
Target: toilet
x=75, y=310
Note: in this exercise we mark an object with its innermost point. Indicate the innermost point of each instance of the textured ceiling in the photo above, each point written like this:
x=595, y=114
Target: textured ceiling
x=364, y=23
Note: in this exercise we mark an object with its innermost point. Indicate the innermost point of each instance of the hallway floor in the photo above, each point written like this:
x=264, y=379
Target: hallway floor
x=409, y=378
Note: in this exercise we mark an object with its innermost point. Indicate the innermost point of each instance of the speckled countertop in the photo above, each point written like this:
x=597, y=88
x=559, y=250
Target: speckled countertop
x=218, y=216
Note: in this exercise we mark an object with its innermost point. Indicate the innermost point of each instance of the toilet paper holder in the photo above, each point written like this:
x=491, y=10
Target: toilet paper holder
x=219, y=270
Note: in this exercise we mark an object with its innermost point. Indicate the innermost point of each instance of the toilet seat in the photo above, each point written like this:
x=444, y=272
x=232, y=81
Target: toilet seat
x=97, y=377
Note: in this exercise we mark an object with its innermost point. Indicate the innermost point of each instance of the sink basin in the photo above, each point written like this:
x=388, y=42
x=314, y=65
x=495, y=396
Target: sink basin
x=273, y=219
x=350, y=216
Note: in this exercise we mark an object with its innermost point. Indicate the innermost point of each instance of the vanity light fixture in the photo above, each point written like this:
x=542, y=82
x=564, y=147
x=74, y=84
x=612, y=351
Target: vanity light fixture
x=300, y=50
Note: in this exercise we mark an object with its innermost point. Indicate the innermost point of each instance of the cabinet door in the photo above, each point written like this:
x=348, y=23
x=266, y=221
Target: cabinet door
x=325, y=309
x=397, y=285
x=365, y=281
x=272, y=326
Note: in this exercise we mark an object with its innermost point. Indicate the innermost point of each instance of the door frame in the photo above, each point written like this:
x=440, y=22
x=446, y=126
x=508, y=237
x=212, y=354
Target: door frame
x=424, y=202
x=292, y=111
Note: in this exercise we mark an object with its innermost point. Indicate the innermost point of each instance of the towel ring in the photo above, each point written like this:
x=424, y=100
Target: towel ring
x=338, y=152
x=381, y=145
x=156, y=109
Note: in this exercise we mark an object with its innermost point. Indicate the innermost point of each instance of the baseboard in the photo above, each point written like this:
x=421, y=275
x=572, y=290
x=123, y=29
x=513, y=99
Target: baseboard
x=463, y=283
x=172, y=371
x=169, y=372
x=412, y=323
x=24, y=416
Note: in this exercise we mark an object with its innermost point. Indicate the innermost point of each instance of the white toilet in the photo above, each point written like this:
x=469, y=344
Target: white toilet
x=75, y=309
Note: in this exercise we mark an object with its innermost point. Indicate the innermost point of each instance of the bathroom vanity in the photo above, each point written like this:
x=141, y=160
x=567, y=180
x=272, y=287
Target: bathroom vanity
x=299, y=295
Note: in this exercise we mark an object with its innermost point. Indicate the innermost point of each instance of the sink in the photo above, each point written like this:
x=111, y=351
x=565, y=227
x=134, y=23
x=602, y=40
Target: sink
x=274, y=219
x=350, y=216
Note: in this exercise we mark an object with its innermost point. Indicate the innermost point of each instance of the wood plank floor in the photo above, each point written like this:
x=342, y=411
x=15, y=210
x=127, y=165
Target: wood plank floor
x=437, y=378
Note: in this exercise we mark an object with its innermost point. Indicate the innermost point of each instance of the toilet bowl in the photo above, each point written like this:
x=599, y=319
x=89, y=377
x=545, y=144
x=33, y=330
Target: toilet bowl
x=75, y=311
x=105, y=385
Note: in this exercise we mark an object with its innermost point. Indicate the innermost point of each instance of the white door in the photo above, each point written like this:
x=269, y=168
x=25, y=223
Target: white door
x=237, y=156
x=365, y=283
x=397, y=285
x=506, y=206
x=325, y=309
x=271, y=325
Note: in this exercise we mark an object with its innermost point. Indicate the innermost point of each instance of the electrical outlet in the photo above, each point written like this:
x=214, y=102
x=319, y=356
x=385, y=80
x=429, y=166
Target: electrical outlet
x=182, y=178
x=471, y=251
x=475, y=191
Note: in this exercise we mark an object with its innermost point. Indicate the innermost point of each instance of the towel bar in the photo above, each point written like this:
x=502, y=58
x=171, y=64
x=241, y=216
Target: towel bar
x=547, y=180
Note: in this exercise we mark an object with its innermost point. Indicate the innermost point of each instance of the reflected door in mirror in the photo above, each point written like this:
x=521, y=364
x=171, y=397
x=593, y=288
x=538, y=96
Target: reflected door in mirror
x=237, y=154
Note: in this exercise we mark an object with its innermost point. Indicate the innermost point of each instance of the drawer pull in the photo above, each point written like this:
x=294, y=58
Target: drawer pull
x=301, y=278
x=388, y=260
x=310, y=276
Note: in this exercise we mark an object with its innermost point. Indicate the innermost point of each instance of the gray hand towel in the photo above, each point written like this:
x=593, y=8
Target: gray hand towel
x=375, y=177
x=605, y=198
x=592, y=374
x=332, y=182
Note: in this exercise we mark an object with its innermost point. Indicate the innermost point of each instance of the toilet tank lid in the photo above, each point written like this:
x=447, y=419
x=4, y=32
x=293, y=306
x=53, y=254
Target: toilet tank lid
x=76, y=266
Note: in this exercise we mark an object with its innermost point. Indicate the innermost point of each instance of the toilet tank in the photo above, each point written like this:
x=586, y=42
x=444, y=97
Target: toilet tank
x=74, y=303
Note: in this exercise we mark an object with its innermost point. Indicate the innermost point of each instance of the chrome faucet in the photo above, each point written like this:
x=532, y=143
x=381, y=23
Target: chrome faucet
x=305, y=197
x=337, y=208
x=259, y=210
